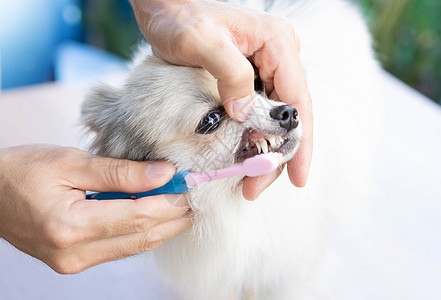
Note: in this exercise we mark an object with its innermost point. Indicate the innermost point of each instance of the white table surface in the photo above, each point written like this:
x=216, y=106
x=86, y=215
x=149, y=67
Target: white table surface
x=395, y=253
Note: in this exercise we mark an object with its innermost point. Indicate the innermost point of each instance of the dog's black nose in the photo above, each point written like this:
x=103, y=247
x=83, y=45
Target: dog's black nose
x=286, y=115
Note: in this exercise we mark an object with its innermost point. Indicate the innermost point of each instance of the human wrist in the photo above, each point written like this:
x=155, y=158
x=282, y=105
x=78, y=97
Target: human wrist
x=171, y=11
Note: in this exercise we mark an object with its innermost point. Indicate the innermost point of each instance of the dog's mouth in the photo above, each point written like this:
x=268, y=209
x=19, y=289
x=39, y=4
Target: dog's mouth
x=254, y=142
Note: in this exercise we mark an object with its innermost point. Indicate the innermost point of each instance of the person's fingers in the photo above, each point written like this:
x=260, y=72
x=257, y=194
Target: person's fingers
x=269, y=88
x=93, y=219
x=82, y=257
x=274, y=96
x=290, y=87
x=298, y=167
x=234, y=73
x=291, y=77
x=254, y=186
x=102, y=174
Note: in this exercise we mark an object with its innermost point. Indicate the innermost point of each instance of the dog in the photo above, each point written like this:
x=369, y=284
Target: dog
x=270, y=248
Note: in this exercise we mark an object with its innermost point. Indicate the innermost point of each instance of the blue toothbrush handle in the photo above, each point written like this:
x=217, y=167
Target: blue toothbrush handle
x=176, y=185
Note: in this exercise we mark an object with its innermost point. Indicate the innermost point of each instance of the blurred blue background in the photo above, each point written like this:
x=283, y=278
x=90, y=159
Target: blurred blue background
x=49, y=40
x=69, y=40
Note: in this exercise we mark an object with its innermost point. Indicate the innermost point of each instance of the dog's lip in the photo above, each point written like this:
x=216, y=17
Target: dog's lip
x=254, y=135
x=247, y=147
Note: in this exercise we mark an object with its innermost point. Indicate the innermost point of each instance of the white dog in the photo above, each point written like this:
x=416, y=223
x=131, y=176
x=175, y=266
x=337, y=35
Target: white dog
x=269, y=248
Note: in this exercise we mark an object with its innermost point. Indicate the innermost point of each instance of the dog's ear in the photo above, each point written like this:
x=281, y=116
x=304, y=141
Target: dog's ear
x=99, y=114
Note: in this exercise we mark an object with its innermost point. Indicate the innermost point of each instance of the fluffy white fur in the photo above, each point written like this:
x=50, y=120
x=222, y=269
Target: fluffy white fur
x=269, y=248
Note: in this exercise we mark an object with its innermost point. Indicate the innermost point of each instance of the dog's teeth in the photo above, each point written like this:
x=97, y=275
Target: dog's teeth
x=280, y=140
x=258, y=147
x=273, y=142
x=264, y=146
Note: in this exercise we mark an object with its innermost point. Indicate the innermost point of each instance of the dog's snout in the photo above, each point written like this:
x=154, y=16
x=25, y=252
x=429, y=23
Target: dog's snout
x=286, y=115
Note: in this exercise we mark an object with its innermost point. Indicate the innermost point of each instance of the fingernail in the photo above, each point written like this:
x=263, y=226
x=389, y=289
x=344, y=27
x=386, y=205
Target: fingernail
x=178, y=200
x=158, y=169
x=242, y=108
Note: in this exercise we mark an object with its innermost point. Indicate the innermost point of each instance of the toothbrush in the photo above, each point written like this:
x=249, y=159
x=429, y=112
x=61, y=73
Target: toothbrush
x=184, y=181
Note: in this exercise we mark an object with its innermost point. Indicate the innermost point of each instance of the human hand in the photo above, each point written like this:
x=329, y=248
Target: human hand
x=43, y=210
x=223, y=38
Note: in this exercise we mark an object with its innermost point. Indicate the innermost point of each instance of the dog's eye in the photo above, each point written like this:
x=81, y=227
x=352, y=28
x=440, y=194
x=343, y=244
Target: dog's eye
x=210, y=122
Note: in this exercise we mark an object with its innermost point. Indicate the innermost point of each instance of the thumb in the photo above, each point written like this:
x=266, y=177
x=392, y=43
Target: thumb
x=102, y=174
x=236, y=85
x=234, y=74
